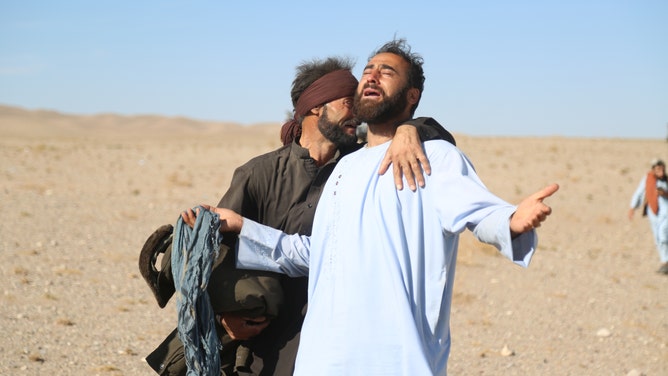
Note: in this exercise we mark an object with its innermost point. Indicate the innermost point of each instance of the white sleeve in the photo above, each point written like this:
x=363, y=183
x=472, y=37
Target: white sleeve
x=495, y=230
x=262, y=247
x=639, y=195
x=475, y=207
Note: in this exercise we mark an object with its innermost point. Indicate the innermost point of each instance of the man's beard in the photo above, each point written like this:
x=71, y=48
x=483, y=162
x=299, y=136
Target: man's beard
x=383, y=111
x=334, y=132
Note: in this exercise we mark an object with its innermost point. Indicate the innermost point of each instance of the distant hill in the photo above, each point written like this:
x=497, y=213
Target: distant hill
x=16, y=121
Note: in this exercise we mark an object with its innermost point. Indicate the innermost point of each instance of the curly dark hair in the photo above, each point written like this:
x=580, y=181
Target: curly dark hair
x=401, y=48
x=309, y=71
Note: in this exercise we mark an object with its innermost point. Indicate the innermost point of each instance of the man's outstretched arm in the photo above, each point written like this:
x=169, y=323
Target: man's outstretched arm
x=261, y=247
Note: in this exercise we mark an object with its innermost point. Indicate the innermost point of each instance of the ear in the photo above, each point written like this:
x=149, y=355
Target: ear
x=316, y=110
x=413, y=95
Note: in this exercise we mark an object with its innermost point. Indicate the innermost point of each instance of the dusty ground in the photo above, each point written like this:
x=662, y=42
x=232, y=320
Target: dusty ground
x=80, y=195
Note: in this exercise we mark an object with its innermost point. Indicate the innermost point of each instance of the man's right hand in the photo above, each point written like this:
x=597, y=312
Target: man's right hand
x=230, y=221
x=242, y=328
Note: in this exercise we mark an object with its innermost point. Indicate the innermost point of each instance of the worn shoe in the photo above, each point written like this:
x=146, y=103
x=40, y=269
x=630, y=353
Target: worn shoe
x=663, y=269
x=156, y=244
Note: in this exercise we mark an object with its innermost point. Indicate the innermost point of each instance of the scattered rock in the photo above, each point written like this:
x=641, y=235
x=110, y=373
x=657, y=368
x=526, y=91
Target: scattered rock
x=603, y=332
x=505, y=351
x=36, y=358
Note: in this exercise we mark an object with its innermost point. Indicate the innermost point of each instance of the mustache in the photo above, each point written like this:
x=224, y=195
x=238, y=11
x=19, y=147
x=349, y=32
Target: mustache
x=374, y=86
x=352, y=122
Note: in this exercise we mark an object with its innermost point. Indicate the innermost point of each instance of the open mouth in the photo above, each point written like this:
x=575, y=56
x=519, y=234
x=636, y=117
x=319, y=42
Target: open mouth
x=371, y=91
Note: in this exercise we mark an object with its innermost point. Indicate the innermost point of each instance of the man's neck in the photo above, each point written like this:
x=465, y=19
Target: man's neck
x=379, y=133
x=320, y=149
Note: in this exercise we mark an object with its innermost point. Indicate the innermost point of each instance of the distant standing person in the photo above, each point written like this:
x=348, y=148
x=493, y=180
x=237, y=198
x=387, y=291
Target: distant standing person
x=652, y=195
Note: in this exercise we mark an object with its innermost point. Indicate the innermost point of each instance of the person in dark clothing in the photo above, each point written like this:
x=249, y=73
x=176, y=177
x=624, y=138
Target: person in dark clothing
x=281, y=189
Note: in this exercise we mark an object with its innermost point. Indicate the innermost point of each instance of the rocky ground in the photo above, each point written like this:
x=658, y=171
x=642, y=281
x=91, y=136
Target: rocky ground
x=80, y=200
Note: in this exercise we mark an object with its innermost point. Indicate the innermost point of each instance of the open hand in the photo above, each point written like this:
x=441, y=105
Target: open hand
x=407, y=158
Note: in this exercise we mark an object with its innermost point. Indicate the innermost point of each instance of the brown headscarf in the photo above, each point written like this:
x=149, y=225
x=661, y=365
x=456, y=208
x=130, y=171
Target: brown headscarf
x=334, y=85
x=651, y=194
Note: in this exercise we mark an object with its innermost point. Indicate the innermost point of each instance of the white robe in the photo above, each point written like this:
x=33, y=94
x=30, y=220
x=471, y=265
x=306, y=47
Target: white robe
x=659, y=221
x=381, y=263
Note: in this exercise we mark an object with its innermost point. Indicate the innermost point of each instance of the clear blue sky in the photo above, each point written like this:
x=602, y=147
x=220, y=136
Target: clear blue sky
x=571, y=68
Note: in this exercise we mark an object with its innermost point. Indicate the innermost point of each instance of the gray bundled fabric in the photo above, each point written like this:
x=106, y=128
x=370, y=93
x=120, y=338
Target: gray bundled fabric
x=194, y=251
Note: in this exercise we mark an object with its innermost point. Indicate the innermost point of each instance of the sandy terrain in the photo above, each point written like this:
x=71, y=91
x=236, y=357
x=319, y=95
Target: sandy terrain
x=80, y=194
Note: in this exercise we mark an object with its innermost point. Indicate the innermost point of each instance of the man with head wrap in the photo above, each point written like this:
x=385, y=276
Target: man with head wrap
x=336, y=85
x=281, y=189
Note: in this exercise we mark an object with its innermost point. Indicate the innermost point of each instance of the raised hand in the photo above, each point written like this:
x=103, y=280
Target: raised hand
x=532, y=211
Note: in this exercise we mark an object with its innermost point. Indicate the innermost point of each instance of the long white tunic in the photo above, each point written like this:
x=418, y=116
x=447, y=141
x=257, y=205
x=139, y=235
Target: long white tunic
x=659, y=221
x=381, y=263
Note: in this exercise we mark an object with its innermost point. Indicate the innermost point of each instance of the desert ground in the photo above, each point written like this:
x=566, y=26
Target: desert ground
x=80, y=195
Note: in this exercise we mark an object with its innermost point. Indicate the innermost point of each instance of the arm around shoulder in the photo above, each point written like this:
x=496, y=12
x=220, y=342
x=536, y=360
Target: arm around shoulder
x=430, y=129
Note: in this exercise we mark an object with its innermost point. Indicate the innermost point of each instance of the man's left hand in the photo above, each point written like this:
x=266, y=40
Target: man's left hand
x=407, y=158
x=532, y=211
